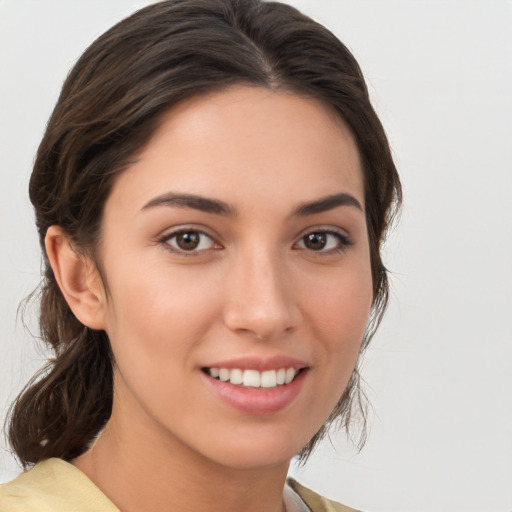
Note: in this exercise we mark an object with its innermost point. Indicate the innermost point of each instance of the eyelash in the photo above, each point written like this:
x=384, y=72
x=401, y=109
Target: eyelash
x=165, y=240
x=343, y=242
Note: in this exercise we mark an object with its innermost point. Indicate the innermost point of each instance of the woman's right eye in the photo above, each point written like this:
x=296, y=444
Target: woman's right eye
x=189, y=241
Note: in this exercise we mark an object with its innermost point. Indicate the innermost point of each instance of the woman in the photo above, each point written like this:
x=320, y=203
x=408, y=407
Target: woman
x=211, y=195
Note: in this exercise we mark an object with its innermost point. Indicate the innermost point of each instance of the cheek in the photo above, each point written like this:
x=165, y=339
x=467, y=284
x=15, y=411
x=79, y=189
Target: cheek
x=157, y=315
x=338, y=312
x=341, y=302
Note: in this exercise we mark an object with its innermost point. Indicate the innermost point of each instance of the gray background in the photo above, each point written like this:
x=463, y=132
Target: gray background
x=439, y=371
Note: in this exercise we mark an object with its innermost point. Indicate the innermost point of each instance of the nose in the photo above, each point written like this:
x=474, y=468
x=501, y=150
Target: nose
x=260, y=299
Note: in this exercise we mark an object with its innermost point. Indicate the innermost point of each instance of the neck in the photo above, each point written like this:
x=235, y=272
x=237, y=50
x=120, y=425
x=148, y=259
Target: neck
x=138, y=470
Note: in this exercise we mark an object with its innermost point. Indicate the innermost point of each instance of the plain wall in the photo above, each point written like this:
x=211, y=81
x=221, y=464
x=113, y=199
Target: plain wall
x=439, y=371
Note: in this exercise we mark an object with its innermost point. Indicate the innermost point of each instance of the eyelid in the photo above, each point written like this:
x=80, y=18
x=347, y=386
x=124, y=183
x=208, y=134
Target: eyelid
x=345, y=241
x=176, y=231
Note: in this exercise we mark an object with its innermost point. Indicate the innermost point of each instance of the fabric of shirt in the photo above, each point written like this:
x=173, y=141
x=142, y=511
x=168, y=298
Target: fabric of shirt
x=57, y=486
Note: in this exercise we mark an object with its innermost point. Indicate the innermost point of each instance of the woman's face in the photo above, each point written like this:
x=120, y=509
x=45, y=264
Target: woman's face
x=236, y=257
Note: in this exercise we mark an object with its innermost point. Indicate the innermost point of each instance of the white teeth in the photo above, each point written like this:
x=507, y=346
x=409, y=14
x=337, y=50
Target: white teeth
x=251, y=378
x=290, y=374
x=254, y=378
x=236, y=376
x=268, y=379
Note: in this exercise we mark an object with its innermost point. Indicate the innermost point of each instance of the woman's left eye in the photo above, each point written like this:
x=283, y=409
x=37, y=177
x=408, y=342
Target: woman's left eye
x=324, y=241
x=189, y=241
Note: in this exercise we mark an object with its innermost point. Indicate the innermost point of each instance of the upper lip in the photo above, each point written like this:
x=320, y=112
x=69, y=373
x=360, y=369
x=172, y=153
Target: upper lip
x=260, y=363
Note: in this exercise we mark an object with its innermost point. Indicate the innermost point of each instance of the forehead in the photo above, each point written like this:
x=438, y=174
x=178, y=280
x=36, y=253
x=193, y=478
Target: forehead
x=245, y=142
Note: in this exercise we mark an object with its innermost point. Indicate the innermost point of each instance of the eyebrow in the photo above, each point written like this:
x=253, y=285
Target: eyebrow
x=327, y=203
x=218, y=207
x=193, y=201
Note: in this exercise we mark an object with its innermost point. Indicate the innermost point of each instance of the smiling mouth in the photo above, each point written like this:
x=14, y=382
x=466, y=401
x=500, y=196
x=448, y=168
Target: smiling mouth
x=253, y=378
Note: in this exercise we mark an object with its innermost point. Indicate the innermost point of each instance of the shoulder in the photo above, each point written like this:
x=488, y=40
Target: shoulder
x=315, y=502
x=53, y=485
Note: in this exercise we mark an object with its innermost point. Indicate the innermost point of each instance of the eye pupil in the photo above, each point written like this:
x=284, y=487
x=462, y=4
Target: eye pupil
x=315, y=241
x=188, y=241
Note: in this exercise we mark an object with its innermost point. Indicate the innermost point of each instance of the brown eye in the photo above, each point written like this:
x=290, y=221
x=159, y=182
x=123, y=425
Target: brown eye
x=189, y=241
x=324, y=241
x=315, y=241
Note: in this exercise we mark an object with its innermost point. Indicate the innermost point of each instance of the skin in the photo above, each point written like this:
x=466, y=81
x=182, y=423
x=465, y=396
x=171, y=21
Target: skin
x=252, y=288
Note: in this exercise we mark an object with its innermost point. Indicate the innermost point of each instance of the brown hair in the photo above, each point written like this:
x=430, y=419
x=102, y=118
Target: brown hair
x=110, y=105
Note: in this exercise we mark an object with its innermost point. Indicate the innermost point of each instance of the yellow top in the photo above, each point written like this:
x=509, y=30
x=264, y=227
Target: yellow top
x=314, y=501
x=57, y=486
x=53, y=486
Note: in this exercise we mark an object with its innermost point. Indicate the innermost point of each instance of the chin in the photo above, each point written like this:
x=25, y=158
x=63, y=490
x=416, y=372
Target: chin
x=262, y=450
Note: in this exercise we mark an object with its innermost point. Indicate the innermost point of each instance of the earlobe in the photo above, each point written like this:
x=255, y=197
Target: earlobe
x=78, y=279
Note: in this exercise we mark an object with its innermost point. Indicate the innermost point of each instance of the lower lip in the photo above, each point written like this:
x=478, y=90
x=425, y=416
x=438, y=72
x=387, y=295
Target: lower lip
x=257, y=400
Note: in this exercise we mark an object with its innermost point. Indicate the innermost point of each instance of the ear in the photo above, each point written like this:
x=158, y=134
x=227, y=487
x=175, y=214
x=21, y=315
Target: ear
x=78, y=279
